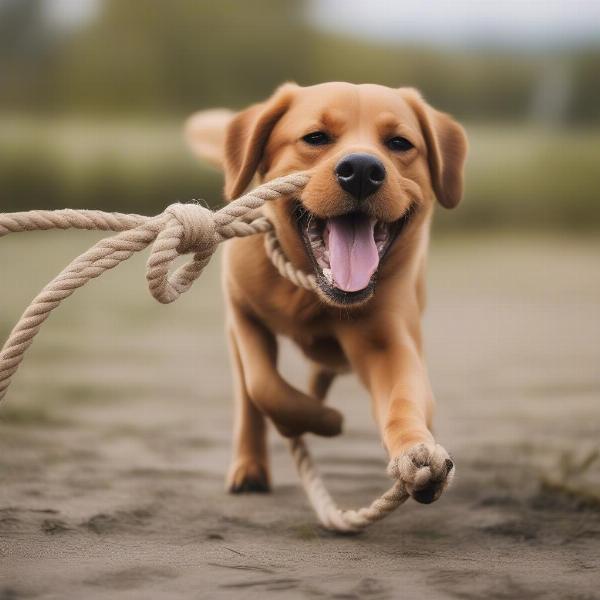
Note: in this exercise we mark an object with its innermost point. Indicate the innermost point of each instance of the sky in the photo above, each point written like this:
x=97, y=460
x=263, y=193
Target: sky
x=504, y=23
x=520, y=24
x=69, y=13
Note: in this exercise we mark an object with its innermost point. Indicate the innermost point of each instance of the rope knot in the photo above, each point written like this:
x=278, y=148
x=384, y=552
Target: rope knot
x=198, y=228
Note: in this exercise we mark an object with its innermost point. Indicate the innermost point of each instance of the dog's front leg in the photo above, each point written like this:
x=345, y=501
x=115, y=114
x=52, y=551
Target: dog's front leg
x=249, y=471
x=387, y=358
x=292, y=411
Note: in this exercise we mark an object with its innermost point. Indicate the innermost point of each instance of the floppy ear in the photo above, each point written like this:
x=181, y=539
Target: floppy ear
x=446, y=147
x=205, y=134
x=247, y=136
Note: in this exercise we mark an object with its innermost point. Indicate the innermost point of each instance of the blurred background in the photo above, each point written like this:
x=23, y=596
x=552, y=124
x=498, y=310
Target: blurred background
x=93, y=93
x=116, y=433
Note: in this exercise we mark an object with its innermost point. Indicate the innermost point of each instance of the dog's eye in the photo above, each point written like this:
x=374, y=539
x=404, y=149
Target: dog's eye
x=399, y=144
x=317, y=138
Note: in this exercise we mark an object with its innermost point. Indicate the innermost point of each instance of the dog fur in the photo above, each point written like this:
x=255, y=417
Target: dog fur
x=376, y=335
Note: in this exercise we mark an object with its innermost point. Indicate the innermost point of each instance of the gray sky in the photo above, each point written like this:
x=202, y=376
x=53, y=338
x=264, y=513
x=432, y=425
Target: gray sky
x=506, y=23
x=69, y=13
x=522, y=23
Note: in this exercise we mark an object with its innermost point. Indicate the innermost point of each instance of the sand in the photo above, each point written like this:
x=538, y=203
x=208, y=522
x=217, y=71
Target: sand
x=115, y=438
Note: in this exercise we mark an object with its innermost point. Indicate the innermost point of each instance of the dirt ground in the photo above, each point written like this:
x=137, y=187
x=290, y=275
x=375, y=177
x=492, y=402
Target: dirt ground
x=115, y=438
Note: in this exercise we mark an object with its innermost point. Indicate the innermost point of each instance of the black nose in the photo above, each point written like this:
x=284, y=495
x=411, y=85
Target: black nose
x=360, y=174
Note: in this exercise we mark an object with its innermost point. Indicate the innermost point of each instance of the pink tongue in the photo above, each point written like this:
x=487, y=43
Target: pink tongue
x=353, y=255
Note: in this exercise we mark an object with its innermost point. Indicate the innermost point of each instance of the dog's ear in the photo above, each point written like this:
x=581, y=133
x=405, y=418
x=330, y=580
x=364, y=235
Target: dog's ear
x=247, y=136
x=205, y=134
x=446, y=149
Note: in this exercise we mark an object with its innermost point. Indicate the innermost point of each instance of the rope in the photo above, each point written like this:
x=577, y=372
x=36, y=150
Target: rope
x=180, y=229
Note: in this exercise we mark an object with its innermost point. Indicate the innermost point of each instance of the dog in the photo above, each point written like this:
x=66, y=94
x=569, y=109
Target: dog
x=379, y=158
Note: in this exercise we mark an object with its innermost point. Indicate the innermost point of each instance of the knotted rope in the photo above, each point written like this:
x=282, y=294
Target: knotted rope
x=180, y=229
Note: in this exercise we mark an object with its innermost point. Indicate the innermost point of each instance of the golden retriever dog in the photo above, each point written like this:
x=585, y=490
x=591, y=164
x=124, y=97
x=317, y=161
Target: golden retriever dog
x=379, y=158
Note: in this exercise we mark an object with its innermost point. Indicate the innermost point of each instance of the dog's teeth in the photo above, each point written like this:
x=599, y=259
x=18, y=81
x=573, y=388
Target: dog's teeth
x=381, y=227
x=327, y=274
x=382, y=232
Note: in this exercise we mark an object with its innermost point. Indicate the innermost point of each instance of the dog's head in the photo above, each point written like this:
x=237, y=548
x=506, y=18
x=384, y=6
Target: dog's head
x=378, y=158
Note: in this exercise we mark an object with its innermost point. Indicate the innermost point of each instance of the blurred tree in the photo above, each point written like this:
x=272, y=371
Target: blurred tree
x=585, y=96
x=173, y=57
x=157, y=56
x=27, y=55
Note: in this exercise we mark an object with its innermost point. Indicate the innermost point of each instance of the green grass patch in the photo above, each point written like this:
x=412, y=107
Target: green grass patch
x=22, y=415
x=573, y=482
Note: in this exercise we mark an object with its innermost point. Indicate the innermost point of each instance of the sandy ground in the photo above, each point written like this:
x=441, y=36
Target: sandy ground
x=115, y=438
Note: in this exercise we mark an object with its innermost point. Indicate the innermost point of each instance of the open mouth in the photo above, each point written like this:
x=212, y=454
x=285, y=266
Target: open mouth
x=346, y=251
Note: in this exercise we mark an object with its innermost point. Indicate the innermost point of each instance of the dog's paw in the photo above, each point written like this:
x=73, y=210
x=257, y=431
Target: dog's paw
x=425, y=469
x=248, y=477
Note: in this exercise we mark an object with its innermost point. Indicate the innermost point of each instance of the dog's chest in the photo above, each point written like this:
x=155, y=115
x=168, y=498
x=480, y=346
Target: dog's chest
x=309, y=326
x=324, y=350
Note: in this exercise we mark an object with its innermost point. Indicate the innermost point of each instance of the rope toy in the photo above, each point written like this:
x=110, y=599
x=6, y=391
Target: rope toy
x=180, y=229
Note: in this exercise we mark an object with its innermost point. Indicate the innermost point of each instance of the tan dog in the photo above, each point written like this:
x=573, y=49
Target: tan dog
x=378, y=158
